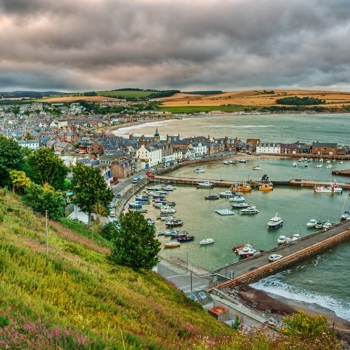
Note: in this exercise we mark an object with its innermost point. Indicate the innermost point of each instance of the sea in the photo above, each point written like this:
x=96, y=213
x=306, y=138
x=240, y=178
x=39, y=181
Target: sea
x=324, y=280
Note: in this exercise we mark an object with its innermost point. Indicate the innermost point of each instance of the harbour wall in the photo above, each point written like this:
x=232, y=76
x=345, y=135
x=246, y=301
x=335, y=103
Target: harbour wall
x=284, y=263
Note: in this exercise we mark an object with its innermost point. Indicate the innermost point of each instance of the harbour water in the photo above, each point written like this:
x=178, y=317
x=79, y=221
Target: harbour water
x=323, y=280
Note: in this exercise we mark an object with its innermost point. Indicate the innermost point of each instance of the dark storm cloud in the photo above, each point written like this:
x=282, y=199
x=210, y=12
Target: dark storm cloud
x=96, y=44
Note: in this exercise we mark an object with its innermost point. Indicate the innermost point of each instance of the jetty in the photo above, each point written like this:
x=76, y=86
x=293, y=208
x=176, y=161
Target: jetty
x=253, y=269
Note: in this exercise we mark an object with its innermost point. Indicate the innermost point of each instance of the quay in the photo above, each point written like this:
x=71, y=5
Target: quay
x=252, y=269
x=253, y=184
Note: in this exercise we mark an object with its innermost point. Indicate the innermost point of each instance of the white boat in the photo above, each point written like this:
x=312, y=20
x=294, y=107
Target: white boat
x=167, y=210
x=328, y=161
x=231, y=162
x=319, y=166
x=331, y=188
x=301, y=159
x=225, y=162
x=168, y=188
x=283, y=240
x=345, y=216
x=319, y=224
x=205, y=184
x=198, y=171
x=295, y=237
x=226, y=194
x=275, y=222
x=242, y=161
x=329, y=166
x=295, y=164
x=250, y=210
x=242, y=204
x=341, y=162
x=246, y=251
x=321, y=160
x=311, y=223
x=237, y=198
x=257, y=167
x=327, y=224
x=206, y=241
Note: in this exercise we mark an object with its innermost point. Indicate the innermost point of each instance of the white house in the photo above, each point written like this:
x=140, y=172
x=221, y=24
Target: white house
x=32, y=144
x=199, y=149
x=149, y=156
x=268, y=147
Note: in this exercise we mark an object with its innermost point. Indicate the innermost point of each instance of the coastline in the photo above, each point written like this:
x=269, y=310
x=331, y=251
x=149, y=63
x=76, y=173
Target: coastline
x=278, y=307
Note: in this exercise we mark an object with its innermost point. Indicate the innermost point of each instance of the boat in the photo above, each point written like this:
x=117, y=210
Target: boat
x=244, y=252
x=265, y=187
x=240, y=205
x=250, y=210
x=150, y=221
x=295, y=237
x=225, y=194
x=142, y=198
x=283, y=240
x=295, y=164
x=311, y=223
x=329, y=166
x=135, y=205
x=205, y=184
x=328, y=161
x=327, y=225
x=174, y=223
x=240, y=187
x=224, y=212
x=306, y=164
x=168, y=188
x=198, y=171
x=167, y=210
x=301, y=159
x=212, y=197
x=256, y=167
x=154, y=188
x=225, y=162
x=236, y=197
x=275, y=222
x=159, y=204
x=166, y=218
x=319, y=166
x=333, y=187
x=319, y=224
x=345, y=216
x=206, y=241
x=231, y=162
x=321, y=160
x=242, y=161
x=172, y=245
x=185, y=239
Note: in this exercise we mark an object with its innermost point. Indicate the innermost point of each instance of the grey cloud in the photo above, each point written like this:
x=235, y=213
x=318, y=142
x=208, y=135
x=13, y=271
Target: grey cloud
x=96, y=44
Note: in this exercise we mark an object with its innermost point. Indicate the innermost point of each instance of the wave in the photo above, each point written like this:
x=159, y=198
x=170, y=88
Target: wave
x=274, y=286
x=242, y=126
x=125, y=130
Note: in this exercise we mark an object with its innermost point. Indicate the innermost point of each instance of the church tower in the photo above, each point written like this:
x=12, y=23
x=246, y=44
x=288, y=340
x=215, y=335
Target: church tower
x=156, y=137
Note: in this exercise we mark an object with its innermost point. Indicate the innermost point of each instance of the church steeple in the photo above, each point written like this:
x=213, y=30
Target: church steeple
x=156, y=136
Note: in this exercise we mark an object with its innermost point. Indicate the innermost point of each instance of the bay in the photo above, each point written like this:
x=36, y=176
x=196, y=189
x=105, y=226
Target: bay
x=323, y=280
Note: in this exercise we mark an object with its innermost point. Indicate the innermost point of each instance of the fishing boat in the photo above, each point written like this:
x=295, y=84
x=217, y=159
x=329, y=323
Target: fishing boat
x=174, y=223
x=249, y=210
x=185, y=239
x=206, y=241
x=241, y=187
x=333, y=187
x=172, y=244
x=244, y=252
x=275, y=222
x=265, y=187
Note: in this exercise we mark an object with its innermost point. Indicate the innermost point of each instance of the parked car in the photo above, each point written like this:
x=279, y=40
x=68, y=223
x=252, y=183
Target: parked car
x=118, y=195
x=134, y=180
x=274, y=257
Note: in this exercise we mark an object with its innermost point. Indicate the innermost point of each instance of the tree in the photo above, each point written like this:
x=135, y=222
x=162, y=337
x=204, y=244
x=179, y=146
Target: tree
x=45, y=198
x=46, y=167
x=90, y=189
x=135, y=244
x=19, y=179
x=10, y=159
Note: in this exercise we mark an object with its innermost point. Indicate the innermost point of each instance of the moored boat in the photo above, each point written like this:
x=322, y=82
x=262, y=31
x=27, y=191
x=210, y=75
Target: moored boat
x=311, y=223
x=225, y=194
x=331, y=188
x=172, y=244
x=265, y=187
x=283, y=239
x=241, y=187
x=185, y=239
x=295, y=164
x=236, y=197
x=242, y=204
x=198, y=171
x=212, y=197
x=275, y=222
x=206, y=241
x=345, y=216
x=245, y=252
x=249, y=210
x=205, y=184
x=174, y=223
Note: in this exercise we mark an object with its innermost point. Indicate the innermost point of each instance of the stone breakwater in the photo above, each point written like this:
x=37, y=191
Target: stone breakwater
x=285, y=263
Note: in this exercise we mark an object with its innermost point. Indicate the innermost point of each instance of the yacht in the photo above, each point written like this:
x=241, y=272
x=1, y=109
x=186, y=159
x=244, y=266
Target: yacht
x=236, y=197
x=226, y=194
x=295, y=164
x=311, y=223
x=198, y=171
x=275, y=222
x=205, y=184
x=242, y=204
x=206, y=241
x=242, y=161
x=250, y=210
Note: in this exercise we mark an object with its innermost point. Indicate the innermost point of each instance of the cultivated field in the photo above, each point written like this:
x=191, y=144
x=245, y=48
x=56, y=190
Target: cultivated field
x=257, y=98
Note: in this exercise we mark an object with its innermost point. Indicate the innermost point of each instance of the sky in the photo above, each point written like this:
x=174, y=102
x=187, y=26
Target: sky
x=229, y=45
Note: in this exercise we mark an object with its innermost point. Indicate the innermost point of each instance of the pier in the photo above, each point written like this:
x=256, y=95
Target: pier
x=252, y=269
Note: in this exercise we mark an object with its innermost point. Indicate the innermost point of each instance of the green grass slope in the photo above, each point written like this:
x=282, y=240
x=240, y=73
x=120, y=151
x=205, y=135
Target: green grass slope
x=76, y=298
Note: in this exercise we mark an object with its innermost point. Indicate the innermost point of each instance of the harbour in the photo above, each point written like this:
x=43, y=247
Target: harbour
x=323, y=279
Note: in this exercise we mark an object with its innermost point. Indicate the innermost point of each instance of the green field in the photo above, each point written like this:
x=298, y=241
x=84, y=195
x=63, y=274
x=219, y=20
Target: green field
x=195, y=109
x=125, y=93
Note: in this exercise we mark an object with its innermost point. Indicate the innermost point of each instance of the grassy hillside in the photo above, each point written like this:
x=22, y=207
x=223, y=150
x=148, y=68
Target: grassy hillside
x=125, y=93
x=75, y=298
